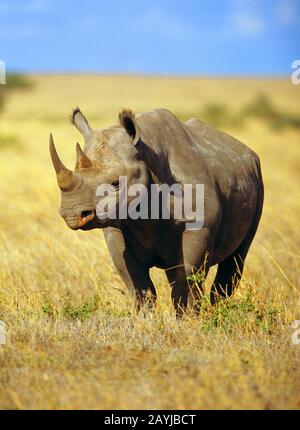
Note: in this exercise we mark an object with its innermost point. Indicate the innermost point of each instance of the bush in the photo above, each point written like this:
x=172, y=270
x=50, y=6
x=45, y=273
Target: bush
x=216, y=114
x=13, y=82
x=262, y=108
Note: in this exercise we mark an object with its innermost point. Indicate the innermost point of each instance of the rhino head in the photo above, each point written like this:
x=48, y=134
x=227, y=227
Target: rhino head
x=108, y=154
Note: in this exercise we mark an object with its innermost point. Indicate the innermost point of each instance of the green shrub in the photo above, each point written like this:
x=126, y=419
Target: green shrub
x=14, y=82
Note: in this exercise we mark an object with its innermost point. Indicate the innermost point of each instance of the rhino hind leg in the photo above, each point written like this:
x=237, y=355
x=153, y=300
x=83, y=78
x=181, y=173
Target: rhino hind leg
x=228, y=276
x=230, y=270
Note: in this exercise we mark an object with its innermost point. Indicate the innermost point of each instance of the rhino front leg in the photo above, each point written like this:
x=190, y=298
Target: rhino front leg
x=194, y=260
x=134, y=275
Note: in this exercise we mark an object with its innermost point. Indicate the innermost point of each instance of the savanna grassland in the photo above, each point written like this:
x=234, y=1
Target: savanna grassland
x=73, y=338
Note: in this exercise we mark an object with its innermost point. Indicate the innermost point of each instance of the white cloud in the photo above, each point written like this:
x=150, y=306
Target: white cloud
x=29, y=28
x=31, y=6
x=249, y=25
x=287, y=12
x=20, y=32
x=166, y=24
x=39, y=6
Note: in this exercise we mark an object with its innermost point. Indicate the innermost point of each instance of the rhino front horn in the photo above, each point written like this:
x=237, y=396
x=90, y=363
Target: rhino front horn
x=66, y=179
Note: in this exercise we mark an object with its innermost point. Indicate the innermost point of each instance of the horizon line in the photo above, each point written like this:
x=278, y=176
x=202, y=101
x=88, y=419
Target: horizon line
x=154, y=74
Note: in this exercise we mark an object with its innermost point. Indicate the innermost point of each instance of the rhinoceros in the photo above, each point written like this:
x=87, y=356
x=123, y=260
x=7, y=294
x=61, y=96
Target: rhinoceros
x=155, y=147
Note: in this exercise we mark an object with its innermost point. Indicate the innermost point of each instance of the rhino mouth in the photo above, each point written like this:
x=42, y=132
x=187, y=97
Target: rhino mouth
x=86, y=218
x=89, y=220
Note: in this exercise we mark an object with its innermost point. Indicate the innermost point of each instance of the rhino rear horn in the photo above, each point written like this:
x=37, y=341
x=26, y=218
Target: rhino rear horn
x=83, y=162
x=81, y=123
x=66, y=179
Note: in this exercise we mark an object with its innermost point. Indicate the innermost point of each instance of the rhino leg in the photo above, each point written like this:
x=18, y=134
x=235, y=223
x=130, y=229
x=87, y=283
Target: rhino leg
x=230, y=270
x=228, y=276
x=134, y=275
x=194, y=259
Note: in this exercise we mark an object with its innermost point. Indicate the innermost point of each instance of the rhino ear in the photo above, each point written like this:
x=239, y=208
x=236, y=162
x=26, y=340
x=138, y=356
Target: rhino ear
x=127, y=120
x=81, y=123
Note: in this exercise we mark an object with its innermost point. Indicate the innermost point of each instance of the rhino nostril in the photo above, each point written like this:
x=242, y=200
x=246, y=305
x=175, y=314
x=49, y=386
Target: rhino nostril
x=85, y=218
x=86, y=213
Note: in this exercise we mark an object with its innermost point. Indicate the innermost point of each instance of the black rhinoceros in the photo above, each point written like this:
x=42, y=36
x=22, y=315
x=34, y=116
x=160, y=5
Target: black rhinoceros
x=156, y=148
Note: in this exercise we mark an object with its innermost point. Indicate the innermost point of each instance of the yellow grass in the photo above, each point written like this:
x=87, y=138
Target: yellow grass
x=73, y=338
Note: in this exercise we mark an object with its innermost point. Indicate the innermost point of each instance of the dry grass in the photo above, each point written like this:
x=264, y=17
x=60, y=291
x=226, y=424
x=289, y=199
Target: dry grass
x=74, y=340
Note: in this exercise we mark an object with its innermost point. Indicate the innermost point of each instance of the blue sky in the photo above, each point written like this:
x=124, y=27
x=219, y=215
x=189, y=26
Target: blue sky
x=157, y=36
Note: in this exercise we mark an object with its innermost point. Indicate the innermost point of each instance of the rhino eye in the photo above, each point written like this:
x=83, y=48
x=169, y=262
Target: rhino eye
x=115, y=184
